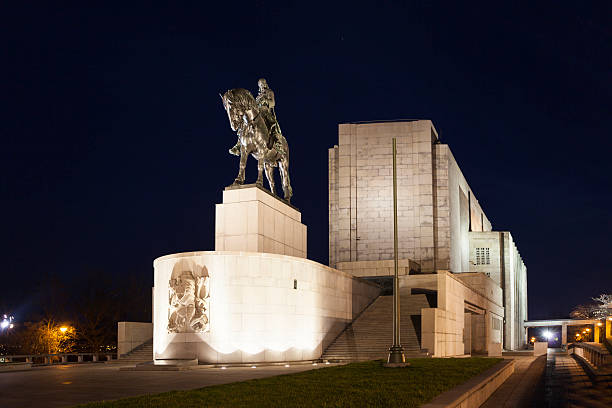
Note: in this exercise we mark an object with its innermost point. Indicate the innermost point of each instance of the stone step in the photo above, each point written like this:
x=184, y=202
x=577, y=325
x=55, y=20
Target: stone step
x=370, y=335
x=140, y=354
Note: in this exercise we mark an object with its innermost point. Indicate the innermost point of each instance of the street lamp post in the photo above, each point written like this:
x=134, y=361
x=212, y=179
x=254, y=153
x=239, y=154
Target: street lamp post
x=396, y=356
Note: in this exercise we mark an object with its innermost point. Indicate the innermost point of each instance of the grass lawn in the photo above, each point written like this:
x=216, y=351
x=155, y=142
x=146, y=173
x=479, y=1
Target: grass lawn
x=366, y=384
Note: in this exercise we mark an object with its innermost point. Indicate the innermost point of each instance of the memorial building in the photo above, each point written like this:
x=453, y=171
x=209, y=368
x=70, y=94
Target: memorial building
x=257, y=298
x=442, y=228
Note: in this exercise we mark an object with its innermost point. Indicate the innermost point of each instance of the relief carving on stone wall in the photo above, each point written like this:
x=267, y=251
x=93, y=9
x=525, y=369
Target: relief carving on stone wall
x=188, y=298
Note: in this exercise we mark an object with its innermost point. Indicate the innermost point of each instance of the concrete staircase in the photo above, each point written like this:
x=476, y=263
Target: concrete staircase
x=371, y=333
x=141, y=354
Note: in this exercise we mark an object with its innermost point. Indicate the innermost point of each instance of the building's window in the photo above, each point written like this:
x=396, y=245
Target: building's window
x=482, y=256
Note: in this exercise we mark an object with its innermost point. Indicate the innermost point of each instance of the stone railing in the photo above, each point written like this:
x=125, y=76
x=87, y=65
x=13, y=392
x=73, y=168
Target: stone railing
x=607, y=342
x=58, y=358
x=595, y=354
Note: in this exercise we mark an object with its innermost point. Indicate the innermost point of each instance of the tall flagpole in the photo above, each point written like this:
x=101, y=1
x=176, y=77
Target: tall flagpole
x=396, y=352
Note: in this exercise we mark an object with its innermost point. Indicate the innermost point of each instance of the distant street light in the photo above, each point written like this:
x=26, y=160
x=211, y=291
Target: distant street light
x=7, y=322
x=63, y=329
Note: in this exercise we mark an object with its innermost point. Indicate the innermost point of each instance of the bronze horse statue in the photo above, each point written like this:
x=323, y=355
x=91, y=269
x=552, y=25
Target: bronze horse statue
x=269, y=148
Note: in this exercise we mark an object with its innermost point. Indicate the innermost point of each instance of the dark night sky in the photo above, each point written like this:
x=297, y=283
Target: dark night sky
x=114, y=138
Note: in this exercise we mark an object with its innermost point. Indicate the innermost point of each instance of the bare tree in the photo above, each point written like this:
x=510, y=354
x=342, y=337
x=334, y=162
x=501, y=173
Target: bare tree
x=599, y=310
x=604, y=300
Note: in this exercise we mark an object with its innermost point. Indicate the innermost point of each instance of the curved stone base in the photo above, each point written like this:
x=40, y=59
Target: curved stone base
x=260, y=307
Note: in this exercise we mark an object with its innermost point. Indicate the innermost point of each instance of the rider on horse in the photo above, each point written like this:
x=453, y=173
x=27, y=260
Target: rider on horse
x=265, y=103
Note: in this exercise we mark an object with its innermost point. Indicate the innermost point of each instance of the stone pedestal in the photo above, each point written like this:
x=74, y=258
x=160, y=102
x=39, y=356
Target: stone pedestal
x=251, y=219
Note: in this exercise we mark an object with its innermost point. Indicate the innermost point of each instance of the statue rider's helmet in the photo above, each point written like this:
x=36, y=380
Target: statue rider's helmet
x=262, y=83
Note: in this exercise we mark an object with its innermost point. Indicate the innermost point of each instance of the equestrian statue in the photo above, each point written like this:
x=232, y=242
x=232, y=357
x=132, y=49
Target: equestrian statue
x=254, y=121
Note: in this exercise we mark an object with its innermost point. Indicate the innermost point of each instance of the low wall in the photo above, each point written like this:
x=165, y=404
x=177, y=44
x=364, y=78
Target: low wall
x=443, y=327
x=474, y=392
x=540, y=348
x=131, y=335
x=494, y=350
x=261, y=307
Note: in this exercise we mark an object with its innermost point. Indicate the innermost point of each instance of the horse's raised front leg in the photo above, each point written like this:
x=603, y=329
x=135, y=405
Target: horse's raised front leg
x=260, y=168
x=243, y=159
x=270, y=176
x=283, y=167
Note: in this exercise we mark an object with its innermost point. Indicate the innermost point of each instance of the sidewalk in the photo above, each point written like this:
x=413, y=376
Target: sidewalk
x=524, y=387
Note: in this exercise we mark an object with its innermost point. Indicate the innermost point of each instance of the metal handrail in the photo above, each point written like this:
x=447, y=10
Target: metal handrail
x=50, y=358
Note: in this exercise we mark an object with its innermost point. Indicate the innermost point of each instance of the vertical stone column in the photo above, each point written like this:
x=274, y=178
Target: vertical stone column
x=333, y=205
x=564, y=334
x=346, y=136
x=596, y=332
x=467, y=333
x=608, y=328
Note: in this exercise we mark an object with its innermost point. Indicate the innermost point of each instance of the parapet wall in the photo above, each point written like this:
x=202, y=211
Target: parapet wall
x=261, y=307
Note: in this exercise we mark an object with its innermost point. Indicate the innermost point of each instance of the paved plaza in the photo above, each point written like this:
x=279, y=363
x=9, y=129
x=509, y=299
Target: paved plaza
x=66, y=385
x=555, y=380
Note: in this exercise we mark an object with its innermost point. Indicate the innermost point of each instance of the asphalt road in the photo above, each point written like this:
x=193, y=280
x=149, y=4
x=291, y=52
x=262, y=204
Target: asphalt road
x=66, y=385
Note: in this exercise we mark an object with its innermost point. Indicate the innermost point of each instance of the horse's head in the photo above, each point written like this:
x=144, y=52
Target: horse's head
x=233, y=113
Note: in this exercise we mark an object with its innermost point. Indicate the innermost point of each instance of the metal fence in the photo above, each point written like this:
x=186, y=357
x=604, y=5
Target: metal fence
x=58, y=358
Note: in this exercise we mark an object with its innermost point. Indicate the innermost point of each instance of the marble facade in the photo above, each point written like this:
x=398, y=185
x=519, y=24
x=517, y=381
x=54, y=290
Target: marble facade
x=467, y=317
x=439, y=216
x=506, y=268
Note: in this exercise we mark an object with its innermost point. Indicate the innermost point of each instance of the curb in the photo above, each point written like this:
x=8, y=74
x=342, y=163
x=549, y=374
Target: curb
x=475, y=391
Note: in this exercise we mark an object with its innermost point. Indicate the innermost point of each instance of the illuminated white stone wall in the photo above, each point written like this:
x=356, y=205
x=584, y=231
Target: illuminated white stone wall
x=507, y=268
x=437, y=211
x=442, y=327
x=457, y=213
x=432, y=225
x=251, y=219
x=256, y=314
